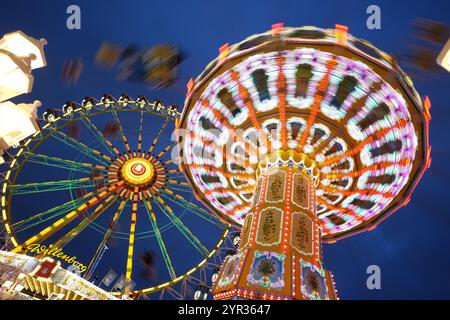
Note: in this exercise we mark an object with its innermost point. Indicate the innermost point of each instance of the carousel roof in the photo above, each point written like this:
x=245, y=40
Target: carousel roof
x=321, y=92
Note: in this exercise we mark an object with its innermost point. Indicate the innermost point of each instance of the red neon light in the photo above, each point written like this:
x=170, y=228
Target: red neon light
x=224, y=48
x=277, y=28
x=427, y=105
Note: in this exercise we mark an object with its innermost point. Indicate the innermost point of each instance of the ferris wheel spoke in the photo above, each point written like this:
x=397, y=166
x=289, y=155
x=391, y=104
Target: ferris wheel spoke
x=162, y=246
x=100, y=137
x=49, y=214
x=192, y=207
x=122, y=133
x=155, y=141
x=134, y=209
x=61, y=223
x=170, y=146
x=102, y=207
x=51, y=161
x=93, y=263
x=176, y=171
x=175, y=174
x=81, y=147
x=51, y=186
x=141, y=119
x=167, y=162
x=181, y=177
x=177, y=185
x=185, y=231
x=175, y=182
x=181, y=189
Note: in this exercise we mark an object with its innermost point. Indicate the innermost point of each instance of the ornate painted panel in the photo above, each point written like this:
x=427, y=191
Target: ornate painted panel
x=302, y=233
x=246, y=229
x=300, y=190
x=229, y=271
x=313, y=282
x=276, y=185
x=257, y=194
x=269, y=226
x=267, y=270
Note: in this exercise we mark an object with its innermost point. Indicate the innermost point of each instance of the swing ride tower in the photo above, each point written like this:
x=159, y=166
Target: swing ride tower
x=300, y=135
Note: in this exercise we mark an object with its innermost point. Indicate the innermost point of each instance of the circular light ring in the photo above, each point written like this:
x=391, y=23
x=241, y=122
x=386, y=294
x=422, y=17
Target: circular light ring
x=138, y=171
x=367, y=131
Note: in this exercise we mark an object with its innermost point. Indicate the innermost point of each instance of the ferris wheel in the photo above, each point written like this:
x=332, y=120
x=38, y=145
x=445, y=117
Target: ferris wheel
x=98, y=184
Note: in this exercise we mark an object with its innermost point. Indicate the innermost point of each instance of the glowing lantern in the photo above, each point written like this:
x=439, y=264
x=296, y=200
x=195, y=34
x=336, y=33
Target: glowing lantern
x=19, y=54
x=15, y=76
x=25, y=47
x=17, y=122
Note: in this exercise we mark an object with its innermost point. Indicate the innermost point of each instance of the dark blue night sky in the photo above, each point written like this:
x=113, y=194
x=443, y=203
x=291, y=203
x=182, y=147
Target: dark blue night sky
x=412, y=247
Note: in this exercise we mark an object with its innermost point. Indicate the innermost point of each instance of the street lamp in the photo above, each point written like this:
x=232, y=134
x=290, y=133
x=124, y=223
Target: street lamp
x=19, y=54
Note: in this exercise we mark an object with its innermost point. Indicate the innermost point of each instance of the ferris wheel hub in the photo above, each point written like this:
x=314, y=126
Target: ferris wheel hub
x=138, y=171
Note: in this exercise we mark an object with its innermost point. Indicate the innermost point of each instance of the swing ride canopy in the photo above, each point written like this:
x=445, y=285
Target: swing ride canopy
x=321, y=92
